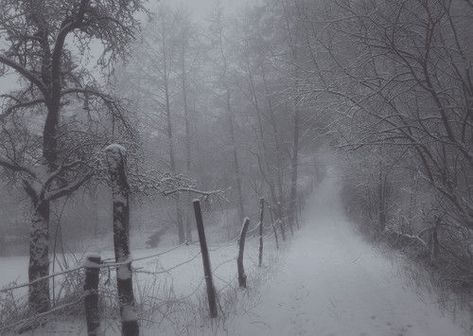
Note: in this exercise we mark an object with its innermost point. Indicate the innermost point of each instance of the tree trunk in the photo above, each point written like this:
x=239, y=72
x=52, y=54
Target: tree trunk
x=38, y=296
x=273, y=225
x=294, y=172
x=236, y=164
x=172, y=162
x=278, y=148
x=188, y=139
x=172, y=159
x=181, y=231
x=434, y=243
x=116, y=159
x=261, y=218
x=39, y=299
x=283, y=230
x=381, y=200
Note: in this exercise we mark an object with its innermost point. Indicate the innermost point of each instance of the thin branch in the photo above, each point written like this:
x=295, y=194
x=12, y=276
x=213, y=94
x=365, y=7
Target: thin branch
x=194, y=191
x=20, y=105
x=69, y=189
x=31, y=77
x=13, y=166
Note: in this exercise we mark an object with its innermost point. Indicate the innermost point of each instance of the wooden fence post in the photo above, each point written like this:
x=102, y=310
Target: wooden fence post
x=91, y=301
x=205, y=259
x=116, y=160
x=241, y=249
x=261, y=217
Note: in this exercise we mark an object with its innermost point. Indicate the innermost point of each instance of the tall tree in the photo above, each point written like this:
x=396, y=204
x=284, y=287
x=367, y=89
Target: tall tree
x=41, y=44
x=217, y=36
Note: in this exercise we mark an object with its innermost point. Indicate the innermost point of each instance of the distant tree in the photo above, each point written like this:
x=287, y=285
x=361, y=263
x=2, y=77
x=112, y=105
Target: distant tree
x=52, y=123
x=224, y=91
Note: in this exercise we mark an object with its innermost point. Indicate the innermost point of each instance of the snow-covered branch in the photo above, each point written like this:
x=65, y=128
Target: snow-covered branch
x=193, y=191
x=69, y=189
x=408, y=236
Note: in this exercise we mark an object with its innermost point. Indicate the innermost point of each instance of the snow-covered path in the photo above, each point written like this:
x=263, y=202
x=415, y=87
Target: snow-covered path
x=332, y=283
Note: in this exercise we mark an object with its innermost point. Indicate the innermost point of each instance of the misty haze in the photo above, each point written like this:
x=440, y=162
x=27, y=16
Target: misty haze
x=236, y=168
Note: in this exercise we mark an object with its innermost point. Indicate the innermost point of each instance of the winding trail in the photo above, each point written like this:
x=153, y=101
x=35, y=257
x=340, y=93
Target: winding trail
x=332, y=283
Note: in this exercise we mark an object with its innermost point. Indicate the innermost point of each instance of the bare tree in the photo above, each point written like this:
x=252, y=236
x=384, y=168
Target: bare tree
x=41, y=41
x=224, y=84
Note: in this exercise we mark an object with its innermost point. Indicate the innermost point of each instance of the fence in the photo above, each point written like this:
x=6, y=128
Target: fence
x=93, y=269
x=81, y=291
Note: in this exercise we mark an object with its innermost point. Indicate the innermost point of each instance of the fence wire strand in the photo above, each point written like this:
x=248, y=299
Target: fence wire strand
x=251, y=234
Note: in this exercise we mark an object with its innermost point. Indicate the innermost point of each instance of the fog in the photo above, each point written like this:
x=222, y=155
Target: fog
x=209, y=167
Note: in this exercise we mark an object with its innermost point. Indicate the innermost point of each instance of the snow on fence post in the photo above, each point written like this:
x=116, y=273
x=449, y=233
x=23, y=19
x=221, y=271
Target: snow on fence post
x=241, y=249
x=91, y=301
x=205, y=259
x=116, y=160
x=261, y=217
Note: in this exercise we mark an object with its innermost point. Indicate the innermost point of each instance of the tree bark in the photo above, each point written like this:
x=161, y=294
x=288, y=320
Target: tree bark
x=116, y=159
x=236, y=164
x=188, y=134
x=294, y=171
x=275, y=230
x=39, y=297
x=278, y=148
x=172, y=159
x=260, y=249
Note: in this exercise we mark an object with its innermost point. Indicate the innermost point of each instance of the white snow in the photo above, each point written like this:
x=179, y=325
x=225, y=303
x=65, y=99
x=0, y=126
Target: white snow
x=88, y=263
x=328, y=283
x=333, y=283
x=116, y=149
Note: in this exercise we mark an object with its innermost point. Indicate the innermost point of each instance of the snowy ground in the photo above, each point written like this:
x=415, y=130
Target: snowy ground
x=170, y=288
x=327, y=282
x=332, y=283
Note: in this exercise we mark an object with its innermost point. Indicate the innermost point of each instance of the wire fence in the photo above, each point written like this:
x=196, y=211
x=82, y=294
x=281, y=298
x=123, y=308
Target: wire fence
x=70, y=296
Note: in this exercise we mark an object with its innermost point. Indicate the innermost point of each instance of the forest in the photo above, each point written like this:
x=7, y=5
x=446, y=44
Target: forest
x=119, y=118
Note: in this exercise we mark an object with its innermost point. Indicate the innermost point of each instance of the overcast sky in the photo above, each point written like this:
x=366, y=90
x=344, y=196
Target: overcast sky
x=199, y=9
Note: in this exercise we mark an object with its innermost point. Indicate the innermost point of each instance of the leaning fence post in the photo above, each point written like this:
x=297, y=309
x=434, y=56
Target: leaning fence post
x=241, y=249
x=261, y=217
x=91, y=301
x=205, y=259
x=116, y=160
